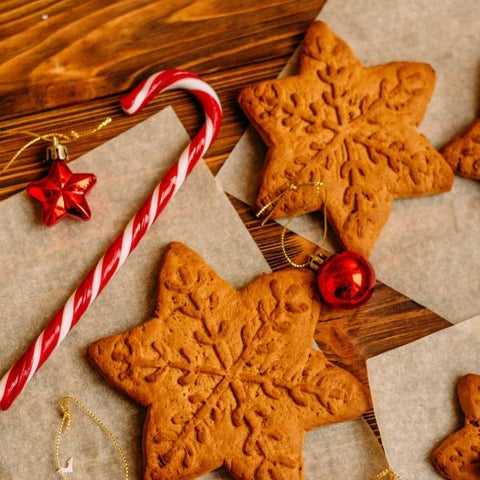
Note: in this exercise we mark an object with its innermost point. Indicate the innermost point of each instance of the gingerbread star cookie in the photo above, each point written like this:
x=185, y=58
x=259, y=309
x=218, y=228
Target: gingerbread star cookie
x=463, y=153
x=229, y=377
x=458, y=456
x=350, y=127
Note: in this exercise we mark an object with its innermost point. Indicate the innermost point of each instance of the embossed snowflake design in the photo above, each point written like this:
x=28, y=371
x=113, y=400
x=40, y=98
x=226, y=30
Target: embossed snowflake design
x=350, y=127
x=229, y=377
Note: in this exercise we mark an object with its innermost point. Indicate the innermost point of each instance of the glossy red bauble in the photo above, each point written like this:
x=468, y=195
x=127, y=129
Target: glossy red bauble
x=346, y=280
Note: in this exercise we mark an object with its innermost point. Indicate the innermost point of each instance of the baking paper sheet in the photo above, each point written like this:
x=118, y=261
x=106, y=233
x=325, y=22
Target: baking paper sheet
x=40, y=267
x=414, y=393
x=429, y=249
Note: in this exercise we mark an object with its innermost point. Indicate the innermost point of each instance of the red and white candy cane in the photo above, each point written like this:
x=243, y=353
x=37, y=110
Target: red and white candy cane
x=14, y=381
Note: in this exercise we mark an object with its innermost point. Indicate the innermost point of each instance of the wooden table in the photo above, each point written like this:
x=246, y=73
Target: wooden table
x=65, y=65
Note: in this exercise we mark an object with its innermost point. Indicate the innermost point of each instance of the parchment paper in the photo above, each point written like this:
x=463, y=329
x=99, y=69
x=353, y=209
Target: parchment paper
x=429, y=249
x=414, y=395
x=40, y=267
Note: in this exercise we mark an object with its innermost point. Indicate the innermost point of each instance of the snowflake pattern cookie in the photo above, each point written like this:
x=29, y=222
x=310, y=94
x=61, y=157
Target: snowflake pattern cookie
x=352, y=128
x=229, y=377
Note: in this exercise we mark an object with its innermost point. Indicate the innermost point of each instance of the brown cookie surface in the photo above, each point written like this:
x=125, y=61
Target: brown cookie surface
x=351, y=127
x=463, y=153
x=229, y=377
x=458, y=456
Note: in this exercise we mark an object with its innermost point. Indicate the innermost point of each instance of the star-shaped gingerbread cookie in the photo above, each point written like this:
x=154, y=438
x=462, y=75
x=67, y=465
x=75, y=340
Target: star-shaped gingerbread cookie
x=229, y=377
x=350, y=127
x=458, y=456
x=463, y=153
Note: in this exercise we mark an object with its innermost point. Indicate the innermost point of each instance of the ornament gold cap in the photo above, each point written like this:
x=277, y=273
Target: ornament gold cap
x=316, y=260
x=56, y=151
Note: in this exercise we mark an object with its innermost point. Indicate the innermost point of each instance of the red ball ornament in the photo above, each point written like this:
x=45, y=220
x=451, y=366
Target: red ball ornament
x=346, y=280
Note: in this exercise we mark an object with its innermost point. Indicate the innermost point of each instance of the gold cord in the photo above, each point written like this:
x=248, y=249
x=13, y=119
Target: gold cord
x=387, y=474
x=274, y=204
x=48, y=137
x=64, y=426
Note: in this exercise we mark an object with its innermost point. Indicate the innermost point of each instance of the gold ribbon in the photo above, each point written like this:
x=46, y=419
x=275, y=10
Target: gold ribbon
x=273, y=204
x=48, y=137
x=387, y=474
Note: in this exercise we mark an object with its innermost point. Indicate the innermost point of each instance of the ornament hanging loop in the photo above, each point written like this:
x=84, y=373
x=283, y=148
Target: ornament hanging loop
x=273, y=204
x=387, y=474
x=53, y=153
x=65, y=405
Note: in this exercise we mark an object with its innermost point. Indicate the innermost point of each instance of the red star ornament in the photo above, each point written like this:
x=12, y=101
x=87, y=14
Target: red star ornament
x=62, y=193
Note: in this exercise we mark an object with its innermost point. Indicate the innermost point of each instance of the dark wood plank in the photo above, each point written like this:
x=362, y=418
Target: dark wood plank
x=62, y=53
x=388, y=320
x=244, y=42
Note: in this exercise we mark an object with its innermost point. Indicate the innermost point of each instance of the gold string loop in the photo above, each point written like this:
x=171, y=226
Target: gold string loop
x=273, y=204
x=72, y=136
x=65, y=424
x=387, y=474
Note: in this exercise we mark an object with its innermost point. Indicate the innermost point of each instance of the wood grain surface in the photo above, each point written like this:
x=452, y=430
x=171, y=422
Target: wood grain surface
x=72, y=51
x=65, y=65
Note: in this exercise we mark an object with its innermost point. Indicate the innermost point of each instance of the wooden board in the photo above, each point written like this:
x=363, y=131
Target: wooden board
x=64, y=65
x=63, y=53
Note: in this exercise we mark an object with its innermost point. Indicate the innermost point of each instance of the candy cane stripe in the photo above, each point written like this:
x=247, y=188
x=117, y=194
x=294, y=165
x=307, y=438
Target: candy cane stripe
x=140, y=98
x=126, y=243
x=67, y=318
x=97, y=277
x=208, y=133
x=181, y=171
x=3, y=385
x=153, y=208
x=14, y=381
x=36, y=356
